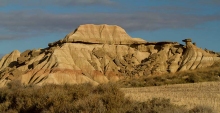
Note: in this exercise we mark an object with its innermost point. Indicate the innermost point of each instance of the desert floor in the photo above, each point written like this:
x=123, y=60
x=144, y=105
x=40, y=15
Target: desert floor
x=188, y=95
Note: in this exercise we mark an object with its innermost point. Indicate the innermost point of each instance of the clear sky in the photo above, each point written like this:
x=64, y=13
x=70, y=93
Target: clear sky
x=32, y=24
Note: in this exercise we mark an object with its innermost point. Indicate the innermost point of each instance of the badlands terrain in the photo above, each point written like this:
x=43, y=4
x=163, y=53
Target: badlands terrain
x=72, y=75
x=98, y=54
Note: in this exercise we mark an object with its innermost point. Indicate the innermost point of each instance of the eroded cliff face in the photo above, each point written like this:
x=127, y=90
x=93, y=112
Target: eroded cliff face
x=99, y=54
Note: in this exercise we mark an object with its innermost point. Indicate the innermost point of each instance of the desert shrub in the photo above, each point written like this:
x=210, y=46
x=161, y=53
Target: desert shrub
x=192, y=76
x=104, y=98
x=201, y=109
x=63, y=98
x=158, y=105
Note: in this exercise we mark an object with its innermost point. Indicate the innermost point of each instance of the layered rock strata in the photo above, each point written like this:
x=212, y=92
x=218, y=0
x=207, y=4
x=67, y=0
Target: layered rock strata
x=99, y=54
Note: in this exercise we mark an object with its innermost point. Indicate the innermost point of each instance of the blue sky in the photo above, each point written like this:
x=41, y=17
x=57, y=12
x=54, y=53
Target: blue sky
x=32, y=24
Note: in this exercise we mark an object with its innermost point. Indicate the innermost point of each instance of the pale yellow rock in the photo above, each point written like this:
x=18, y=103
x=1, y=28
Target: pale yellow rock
x=174, y=66
x=100, y=54
x=195, y=57
x=9, y=59
x=99, y=34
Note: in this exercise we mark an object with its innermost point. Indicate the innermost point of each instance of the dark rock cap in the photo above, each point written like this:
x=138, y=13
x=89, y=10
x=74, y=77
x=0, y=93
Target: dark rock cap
x=187, y=40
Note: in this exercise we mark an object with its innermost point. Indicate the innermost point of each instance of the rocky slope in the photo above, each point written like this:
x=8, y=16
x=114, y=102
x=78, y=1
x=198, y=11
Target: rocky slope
x=99, y=54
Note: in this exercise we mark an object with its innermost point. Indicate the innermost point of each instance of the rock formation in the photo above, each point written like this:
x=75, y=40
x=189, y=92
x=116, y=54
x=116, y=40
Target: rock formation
x=99, y=54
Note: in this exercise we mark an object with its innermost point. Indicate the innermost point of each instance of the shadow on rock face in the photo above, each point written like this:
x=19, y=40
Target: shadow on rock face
x=13, y=64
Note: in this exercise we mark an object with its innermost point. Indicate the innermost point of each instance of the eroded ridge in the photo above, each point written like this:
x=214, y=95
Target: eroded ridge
x=99, y=54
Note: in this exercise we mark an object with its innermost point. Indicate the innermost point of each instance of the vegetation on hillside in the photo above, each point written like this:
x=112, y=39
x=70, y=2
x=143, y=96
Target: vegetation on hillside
x=105, y=98
x=192, y=76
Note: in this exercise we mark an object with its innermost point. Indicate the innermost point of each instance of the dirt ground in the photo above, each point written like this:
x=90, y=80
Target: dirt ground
x=188, y=95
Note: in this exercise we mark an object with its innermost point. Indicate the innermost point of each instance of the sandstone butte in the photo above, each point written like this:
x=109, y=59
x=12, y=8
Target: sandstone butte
x=99, y=54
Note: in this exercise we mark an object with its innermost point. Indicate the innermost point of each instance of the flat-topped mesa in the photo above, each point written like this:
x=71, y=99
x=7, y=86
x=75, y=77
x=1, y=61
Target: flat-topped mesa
x=100, y=54
x=99, y=34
